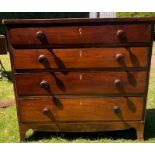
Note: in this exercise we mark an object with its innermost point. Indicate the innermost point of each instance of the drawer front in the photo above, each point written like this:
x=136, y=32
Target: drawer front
x=74, y=83
x=87, y=58
x=81, y=109
x=80, y=35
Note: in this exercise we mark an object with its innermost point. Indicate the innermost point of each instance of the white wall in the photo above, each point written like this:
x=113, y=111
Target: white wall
x=103, y=15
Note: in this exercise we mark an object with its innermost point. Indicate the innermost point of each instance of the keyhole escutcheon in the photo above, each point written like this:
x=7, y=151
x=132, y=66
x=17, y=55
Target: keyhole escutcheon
x=80, y=31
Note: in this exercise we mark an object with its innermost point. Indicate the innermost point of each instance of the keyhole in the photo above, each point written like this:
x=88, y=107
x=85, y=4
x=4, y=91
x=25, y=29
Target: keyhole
x=80, y=31
x=81, y=102
x=80, y=53
x=80, y=76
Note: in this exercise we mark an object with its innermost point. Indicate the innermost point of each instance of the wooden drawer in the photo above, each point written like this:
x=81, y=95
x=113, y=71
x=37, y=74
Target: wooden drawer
x=74, y=83
x=81, y=109
x=61, y=36
x=86, y=58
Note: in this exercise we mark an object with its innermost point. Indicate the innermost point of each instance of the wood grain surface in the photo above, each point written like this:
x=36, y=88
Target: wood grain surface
x=79, y=109
x=88, y=58
x=75, y=83
x=80, y=35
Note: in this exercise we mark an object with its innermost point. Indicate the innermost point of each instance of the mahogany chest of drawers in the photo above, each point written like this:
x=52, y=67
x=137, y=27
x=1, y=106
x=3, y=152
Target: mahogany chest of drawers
x=80, y=75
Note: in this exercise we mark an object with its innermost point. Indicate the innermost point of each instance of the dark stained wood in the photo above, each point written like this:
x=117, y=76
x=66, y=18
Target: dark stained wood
x=76, y=21
x=81, y=127
x=98, y=82
x=66, y=46
x=80, y=58
x=72, y=83
x=88, y=109
x=79, y=35
x=140, y=131
x=3, y=49
x=22, y=131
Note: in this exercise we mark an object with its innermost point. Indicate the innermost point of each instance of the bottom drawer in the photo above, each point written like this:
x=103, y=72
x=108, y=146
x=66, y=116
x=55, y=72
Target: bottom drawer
x=81, y=109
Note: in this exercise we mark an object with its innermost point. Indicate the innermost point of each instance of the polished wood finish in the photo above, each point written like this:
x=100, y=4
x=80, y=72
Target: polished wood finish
x=81, y=109
x=79, y=35
x=88, y=58
x=80, y=75
x=76, y=83
x=77, y=21
x=81, y=126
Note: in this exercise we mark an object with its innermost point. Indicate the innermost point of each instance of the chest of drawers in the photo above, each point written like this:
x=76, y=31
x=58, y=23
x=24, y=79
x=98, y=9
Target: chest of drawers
x=80, y=75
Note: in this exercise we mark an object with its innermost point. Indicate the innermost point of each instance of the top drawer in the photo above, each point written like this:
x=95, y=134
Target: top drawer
x=83, y=36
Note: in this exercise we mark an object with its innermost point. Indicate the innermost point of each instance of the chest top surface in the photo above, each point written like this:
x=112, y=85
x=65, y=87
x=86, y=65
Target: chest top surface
x=92, y=21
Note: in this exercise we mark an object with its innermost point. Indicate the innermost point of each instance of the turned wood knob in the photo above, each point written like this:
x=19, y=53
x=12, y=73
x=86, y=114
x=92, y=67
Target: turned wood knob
x=117, y=82
x=120, y=34
x=44, y=84
x=46, y=111
x=42, y=59
x=116, y=109
x=119, y=56
x=40, y=35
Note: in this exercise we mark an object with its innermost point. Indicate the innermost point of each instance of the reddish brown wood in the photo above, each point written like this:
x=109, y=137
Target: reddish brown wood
x=77, y=21
x=140, y=132
x=80, y=58
x=79, y=35
x=3, y=49
x=89, y=57
x=78, y=109
x=22, y=132
x=81, y=83
x=82, y=126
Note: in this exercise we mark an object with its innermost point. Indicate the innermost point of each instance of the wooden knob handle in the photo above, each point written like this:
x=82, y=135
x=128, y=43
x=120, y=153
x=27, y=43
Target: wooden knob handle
x=119, y=56
x=42, y=59
x=116, y=109
x=44, y=84
x=40, y=35
x=117, y=82
x=45, y=111
x=120, y=34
